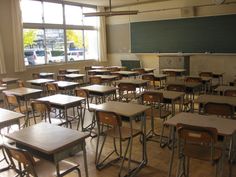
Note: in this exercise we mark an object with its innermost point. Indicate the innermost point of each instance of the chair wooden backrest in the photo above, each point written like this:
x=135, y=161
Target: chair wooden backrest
x=95, y=80
x=84, y=94
x=43, y=108
x=35, y=75
x=139, y=70
x=21, y=83
x=23, y=157
x=220, y=109
x=11, y=101
x=200, y=137
x=87, y=68
x=52, y=88
x=149, y=77
x=193, y=79
x=230, y=93
x=205, y=74
x=176, y=87
x=62, y=71
x=127, y=91
x=61, y=77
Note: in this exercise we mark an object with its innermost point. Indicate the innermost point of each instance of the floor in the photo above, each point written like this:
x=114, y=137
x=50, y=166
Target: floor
x=158, y=160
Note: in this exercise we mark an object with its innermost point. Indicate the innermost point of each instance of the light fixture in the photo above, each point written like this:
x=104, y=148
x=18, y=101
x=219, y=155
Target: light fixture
x=110, y=12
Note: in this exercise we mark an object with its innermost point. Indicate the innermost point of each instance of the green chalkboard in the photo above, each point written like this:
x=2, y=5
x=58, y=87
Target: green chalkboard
x=131, y=64
x=191, y=35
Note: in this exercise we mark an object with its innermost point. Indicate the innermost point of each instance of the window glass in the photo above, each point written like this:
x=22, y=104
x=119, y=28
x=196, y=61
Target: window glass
x=53, y=13
x=55, y=45
x=73, y=15
x=90, y=21
x=75, y=45
x=31, y=11
x=91, y=44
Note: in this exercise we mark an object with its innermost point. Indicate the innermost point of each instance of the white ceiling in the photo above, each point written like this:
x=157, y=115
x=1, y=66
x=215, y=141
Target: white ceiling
x=114, y=2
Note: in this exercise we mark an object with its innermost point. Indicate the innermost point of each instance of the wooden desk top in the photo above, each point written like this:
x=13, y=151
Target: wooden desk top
x=62, y=100
x=133, y=81
x=47, y=138
x=225, y=127
x=172, y=95
x=216, y=99
x=99, y=70
x=72, y=70
x=99, y=88
x=223, y=88
x=149, y=69
x=40, y=81
x=8, y=80
x=107, y=77
x=2, y=88
x=8, y=116
x=22, y=91
x=75, y=75
x=43, y=74
x=158, y=76
x=175, y=70
x=64, y=84
x=123, y=109
x=186, y=84
x=98, y=67
x=126, y=72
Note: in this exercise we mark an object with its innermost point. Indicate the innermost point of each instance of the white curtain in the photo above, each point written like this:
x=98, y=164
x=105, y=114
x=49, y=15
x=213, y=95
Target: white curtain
x=2, y=59
x=17, y=26
x=102, y=40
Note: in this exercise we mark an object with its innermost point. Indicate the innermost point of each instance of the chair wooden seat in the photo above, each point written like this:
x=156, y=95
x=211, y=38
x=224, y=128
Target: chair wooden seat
x=202, y=153
x=23, y=109
x=125, y=133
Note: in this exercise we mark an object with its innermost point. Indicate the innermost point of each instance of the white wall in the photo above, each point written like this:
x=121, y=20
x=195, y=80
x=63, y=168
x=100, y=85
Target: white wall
x=171, y=10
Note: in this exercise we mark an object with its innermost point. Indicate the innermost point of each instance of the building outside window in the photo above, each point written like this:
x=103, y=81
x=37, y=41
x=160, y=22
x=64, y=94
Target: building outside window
x=56, y=32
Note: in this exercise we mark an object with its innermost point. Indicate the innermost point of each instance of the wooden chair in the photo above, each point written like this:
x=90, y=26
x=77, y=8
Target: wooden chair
x=42, y=109
x=205, y=74
x=61, y=77
x=127, y=92
x=14, y=104
x=62, y=71
x=196, y=142
x=157, y=110
x=219, y=109
x=51, y=88
x=95, y=80
x=28, y=166
x=187, y=101
x=110, y=124
x=230, y=93
x=36, y=75
x=21, y=83
x=82, y=110
x=151, y=79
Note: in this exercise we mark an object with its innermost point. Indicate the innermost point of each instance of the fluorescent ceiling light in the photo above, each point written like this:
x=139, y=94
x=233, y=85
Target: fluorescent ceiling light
x=110, y=12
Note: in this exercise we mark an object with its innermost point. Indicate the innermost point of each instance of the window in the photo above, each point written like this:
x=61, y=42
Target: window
x=50, y=38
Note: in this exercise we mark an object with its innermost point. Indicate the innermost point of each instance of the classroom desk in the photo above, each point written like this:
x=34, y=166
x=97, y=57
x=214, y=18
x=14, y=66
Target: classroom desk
x=66, y=85
x=40, y=82
x=139, y=83
x=126, y=73
x=46, y=75
x=203, y=99
x=101, y=91
x=98, y=71
x=149, y=70
x=9, y=80
x=51, y=142
x=131, y=111
x=75, y=77
x=159, y=77
x=73, y=71
x=179, y=72
x=7, y=119
x=107, y=78
x=171, y=97
x=63, y=102
x=225, y=127
x=219, y=76
x=97, y=67
x=222, y=88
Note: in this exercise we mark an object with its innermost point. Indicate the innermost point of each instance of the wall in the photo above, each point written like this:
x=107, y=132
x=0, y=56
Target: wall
x=6, y=33
x=119, y=46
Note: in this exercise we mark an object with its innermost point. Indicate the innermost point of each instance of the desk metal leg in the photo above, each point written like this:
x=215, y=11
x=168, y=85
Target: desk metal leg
x=85, y=159
x=172, y=151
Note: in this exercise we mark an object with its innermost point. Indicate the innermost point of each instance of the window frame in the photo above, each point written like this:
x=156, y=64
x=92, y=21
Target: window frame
x=45, y=26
